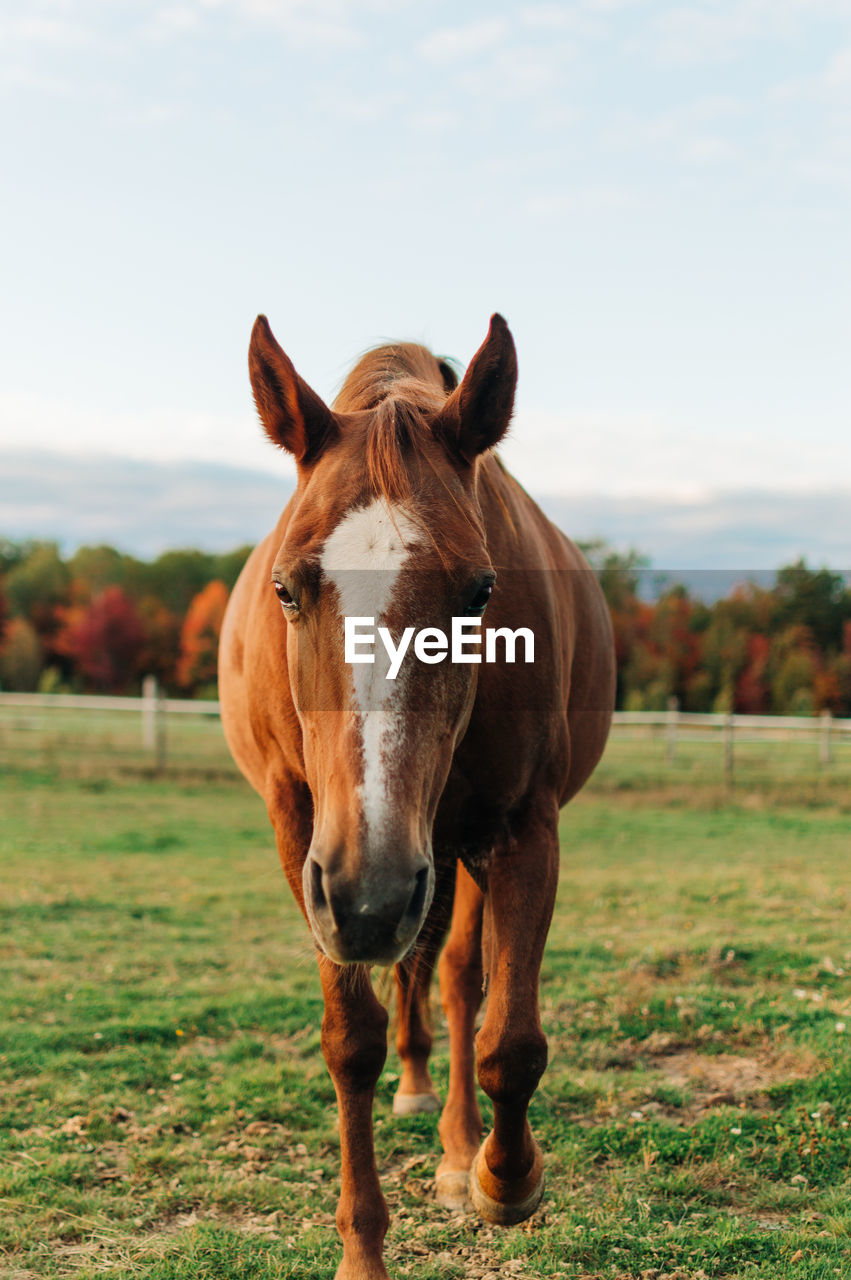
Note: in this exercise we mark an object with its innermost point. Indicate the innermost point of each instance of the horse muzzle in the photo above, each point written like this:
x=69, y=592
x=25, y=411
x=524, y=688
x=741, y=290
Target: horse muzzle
x=366, y=914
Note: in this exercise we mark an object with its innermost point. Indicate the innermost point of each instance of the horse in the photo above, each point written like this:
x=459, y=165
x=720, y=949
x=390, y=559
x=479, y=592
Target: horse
x=423, y=807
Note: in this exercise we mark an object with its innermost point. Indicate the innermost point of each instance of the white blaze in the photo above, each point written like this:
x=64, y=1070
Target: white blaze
x=363, y=558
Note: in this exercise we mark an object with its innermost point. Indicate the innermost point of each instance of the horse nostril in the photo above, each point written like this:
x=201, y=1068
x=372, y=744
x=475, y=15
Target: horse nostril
x=415, y=906
x=317, y=893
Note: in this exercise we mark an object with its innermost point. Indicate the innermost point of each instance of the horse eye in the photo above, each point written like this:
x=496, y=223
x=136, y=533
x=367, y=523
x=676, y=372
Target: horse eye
x=479, y=602
x=284, y=596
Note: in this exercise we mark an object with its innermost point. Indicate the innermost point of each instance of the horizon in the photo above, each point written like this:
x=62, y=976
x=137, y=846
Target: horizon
x=214, y=508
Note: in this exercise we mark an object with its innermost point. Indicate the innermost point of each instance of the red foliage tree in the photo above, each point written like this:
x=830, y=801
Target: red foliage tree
x=199, y=638
x=103, y=639
x=753, y=692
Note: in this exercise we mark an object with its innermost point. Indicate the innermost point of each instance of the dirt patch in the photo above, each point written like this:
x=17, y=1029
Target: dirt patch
x=727, y=1079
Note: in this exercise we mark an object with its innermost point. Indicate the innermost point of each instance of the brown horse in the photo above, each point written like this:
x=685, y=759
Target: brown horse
x=401, y=802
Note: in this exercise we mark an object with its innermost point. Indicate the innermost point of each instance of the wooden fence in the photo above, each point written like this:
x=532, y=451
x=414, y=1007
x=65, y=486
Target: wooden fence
x=155, y=733
x=86, y=733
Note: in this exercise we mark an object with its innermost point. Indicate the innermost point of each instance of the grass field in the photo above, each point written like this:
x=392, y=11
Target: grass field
x=166, y=1111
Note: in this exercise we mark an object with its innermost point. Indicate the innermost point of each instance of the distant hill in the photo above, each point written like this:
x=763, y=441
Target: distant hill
x=148, y=507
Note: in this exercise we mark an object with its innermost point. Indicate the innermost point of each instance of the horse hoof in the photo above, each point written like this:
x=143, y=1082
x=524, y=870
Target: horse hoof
x=504, y=1203
x=414, y=1104
x=452, y=1190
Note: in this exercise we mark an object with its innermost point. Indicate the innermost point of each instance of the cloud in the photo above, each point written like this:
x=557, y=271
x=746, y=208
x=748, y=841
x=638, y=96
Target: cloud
x=719, y=30
x=161, y=434
x=584, y=200
x=681, y=458
x=141, y=507
x=33, y=47
x=647, y=454
x=731, y=534
x=173, y=21
x=147, y=507
x=692, y=130
x=837, y=74
x=556, y=17
x=451, y=43
x=41, y=29
x=709, y=149
x=323, y=22
x=511, y=74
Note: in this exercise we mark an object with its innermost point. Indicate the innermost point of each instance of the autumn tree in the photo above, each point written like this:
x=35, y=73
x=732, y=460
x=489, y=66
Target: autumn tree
x=619, y=574
x=793, y=665
x=674, y=635
x=104, y=640
x=161, y=649
x=37, y=587
x=199, y=639
x=20, y=657
x=753, y=692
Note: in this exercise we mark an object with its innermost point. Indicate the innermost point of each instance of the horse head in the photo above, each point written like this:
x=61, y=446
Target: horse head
x=385, y=525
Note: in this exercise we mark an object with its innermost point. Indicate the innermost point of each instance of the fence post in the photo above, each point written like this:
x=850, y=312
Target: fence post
x=825, y=754
x=729, y=727
x=160, y=717
x=149, y=713
x=673, y=717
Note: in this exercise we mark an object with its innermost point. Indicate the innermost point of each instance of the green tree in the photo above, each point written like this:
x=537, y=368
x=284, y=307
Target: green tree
x=93, y=569
x=176, y=577
x=37, y=587
x=814, y=598
x=228, y=566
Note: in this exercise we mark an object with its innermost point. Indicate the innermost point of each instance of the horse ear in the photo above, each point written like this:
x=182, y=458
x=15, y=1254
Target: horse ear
x=293, y=415
x=477, y=413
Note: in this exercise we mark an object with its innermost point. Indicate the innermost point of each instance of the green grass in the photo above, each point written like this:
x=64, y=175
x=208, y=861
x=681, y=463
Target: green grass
x=166, y=1111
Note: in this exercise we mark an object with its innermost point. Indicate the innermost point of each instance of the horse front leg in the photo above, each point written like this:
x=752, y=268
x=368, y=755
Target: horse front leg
x=507, y=1178
x=416, y=1092
x=354, y=1043
x=461, y=993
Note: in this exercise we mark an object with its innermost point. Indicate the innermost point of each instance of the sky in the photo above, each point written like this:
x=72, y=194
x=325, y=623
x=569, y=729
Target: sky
x=657, y=197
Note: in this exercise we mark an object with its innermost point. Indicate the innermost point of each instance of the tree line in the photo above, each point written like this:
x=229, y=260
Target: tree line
x=100, y=620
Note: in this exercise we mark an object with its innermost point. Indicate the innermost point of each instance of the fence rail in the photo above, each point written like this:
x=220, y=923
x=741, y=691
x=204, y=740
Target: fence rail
x=155, y=733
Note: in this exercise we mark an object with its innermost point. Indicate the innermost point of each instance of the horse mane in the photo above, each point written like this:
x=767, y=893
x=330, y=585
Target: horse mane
x=404, y=386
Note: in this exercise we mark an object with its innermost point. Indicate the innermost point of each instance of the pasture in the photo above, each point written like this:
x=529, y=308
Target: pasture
x=166, y=1111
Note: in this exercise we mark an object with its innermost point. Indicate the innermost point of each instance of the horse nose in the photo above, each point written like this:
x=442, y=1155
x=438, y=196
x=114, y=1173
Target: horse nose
x=368, y=918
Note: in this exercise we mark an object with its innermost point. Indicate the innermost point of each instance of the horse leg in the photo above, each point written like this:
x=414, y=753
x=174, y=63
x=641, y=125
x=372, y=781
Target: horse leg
x=461, y=993
x=506, y=1178
x=416, y=1092
x=354, y=1043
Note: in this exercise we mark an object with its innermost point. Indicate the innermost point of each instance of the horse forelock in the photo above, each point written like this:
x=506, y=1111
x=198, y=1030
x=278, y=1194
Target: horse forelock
x=399, y=389
x=404, y=370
